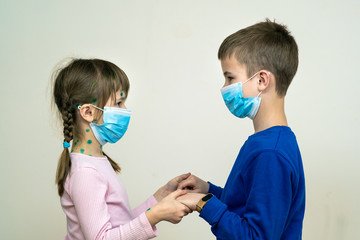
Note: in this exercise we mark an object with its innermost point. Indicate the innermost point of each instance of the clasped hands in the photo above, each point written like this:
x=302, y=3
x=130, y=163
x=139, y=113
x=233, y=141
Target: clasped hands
x=179, y=197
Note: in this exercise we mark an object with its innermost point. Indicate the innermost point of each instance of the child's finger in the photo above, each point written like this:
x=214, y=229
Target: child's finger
x=186, y=184
x=177, y=193
x=182, y=177
x=187, y=210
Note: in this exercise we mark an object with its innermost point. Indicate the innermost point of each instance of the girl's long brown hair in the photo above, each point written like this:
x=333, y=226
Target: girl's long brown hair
x=82, y=81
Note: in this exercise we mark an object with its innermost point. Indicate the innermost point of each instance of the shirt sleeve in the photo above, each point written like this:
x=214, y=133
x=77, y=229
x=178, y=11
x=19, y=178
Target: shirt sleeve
x=268, y=185
x=88, y=190
x=151, y=201
x=216, y=190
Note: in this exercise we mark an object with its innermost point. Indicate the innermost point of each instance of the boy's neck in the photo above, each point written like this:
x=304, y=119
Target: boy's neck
x=270, y=114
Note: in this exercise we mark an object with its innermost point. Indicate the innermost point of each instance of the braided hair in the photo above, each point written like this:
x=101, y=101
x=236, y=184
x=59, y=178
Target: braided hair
x=80, y=82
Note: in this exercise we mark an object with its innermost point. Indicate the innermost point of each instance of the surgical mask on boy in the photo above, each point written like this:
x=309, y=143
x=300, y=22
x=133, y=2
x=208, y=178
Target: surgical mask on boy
x=238, y=105
x=116, y=121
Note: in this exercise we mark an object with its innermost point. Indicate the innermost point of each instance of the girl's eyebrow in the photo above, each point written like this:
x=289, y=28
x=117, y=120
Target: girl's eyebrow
x=120, y=98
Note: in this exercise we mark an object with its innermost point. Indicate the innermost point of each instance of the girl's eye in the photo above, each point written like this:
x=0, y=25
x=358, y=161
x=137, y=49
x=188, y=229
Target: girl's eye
x=118, y=104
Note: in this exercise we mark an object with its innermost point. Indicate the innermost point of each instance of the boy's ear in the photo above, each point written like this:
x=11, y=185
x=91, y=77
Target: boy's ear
x=264, y=81
x=87, y=113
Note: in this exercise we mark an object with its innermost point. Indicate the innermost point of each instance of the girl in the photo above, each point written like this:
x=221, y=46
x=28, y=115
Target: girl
x=90, y=96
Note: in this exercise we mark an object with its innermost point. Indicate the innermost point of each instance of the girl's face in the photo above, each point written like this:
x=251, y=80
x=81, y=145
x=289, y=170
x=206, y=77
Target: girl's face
x=118, y=102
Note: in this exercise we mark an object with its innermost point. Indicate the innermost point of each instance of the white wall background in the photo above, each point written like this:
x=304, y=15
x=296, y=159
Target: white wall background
x=180, y=123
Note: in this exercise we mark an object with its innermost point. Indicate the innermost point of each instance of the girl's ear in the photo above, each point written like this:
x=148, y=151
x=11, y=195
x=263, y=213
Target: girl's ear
x=264, y=81
x=86, y=112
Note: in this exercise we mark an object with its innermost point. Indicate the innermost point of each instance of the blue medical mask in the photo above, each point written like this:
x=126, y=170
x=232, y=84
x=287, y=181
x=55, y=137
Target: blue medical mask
x=116, y=121
x=238, y=105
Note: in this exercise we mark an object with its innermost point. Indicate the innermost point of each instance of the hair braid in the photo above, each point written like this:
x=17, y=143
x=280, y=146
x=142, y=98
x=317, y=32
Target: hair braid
x=64, y=164
x=68, y=124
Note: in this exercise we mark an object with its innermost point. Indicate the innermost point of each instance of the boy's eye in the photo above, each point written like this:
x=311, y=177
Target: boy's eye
x=230, y=78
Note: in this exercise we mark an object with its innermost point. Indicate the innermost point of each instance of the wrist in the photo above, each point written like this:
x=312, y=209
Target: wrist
x=207, y=187
x=160, y=194
x=152, y=216
x=201, y=204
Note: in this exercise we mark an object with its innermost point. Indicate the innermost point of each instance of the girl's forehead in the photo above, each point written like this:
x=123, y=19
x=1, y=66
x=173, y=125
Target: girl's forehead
x=120, y=94
x=116, y=96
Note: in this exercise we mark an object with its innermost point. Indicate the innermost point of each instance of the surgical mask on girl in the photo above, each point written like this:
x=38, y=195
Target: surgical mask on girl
x=238, y=105
x=116, y=121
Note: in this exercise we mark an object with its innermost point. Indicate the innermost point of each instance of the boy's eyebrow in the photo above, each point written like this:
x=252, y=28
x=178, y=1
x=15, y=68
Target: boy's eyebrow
x=226, y=73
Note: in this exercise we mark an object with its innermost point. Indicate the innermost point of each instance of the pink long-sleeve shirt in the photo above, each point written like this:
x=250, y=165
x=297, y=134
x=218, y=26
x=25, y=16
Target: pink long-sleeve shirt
x=96, y=203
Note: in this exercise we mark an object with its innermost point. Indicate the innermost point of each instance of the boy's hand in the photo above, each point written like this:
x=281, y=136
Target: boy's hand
x=194, y=184
x=170, y=187
x=191, y=199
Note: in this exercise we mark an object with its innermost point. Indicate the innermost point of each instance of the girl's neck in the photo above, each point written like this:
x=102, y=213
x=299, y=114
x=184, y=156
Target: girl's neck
x=87, y=144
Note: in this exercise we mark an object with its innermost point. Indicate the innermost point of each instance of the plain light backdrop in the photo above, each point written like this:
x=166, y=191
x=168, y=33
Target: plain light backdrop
x=180, y=123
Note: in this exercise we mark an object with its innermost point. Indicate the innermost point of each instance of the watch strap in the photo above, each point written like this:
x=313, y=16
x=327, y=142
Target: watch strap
x=200, y=205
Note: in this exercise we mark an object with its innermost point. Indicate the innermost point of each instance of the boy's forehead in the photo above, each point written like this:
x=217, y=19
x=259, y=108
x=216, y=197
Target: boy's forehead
x=231, y=65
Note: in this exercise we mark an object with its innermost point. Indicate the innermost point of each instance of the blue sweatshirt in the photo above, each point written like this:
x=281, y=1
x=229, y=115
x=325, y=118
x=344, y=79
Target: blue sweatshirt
x=264, y=196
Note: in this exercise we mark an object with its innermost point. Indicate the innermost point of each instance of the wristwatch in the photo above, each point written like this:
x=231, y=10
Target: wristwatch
x=200, y=205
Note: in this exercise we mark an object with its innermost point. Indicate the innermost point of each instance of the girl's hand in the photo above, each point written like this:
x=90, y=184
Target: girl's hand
x=168, y=209
x=170, y=187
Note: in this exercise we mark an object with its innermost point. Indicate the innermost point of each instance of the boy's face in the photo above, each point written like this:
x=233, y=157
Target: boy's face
x=235, y=72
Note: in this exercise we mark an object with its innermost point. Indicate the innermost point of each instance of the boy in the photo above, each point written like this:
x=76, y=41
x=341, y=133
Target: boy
x=264, y=196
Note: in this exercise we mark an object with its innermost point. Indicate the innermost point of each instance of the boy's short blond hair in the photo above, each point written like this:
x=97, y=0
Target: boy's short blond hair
x=265, y=45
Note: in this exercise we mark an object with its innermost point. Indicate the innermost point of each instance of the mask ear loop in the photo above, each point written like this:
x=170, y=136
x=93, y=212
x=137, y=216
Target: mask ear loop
x=260, y=91
x=250, y=78
x=97, y=107
x=79, y=107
